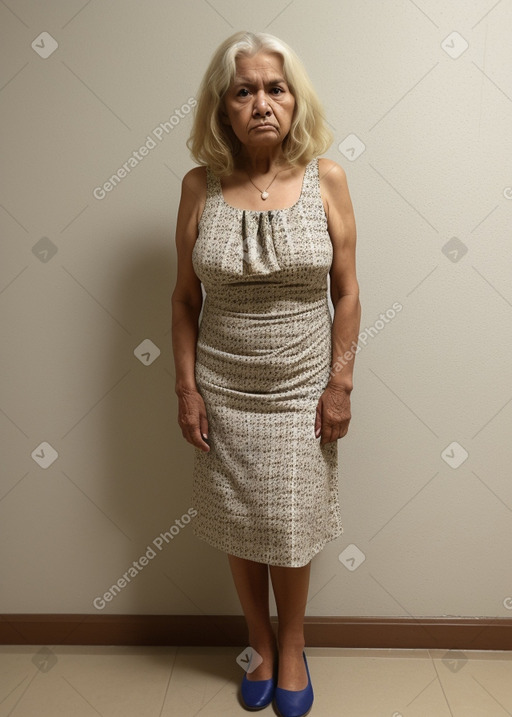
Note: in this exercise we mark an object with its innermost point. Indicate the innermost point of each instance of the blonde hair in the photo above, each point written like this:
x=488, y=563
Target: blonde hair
x=215, y=144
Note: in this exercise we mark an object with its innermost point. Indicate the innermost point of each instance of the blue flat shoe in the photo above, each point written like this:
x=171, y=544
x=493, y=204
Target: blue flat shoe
x=257, y=694
x=295, y=703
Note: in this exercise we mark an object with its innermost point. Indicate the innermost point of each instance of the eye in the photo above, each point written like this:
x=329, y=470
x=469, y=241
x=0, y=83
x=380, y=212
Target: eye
x=239, y=93
x=279, y=90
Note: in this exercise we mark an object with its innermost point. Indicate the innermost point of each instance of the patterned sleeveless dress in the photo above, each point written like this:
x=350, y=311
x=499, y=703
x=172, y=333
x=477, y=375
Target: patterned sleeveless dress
x=267, y=490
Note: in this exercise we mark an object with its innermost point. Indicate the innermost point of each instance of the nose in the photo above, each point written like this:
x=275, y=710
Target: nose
x=261, y=107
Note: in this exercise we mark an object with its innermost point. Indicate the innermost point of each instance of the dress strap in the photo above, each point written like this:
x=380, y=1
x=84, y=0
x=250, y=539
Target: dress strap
x=213, y=187
x=311, y=197
x=311, y=175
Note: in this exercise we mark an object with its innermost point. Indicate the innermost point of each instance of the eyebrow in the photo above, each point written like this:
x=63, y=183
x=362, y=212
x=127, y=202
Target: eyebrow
x=246, y=81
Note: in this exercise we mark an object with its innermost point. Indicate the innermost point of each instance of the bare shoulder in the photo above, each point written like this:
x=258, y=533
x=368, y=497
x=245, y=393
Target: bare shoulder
x=194, y=181
x=193, y=192
x=332, y=175
x=195, y=176
x=334, y=189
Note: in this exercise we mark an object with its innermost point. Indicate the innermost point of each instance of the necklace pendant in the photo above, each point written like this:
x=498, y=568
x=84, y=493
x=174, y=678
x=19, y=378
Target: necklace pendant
x=264, y=195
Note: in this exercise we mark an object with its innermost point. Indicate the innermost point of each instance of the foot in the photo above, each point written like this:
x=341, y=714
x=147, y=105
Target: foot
x=266, y=670
x=292, y=670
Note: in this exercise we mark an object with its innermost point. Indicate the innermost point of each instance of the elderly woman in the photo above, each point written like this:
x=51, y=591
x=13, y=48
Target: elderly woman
x=264, y=380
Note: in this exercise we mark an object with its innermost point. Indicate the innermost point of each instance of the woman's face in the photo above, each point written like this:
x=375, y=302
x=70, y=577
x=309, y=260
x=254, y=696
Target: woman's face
x=259, y=105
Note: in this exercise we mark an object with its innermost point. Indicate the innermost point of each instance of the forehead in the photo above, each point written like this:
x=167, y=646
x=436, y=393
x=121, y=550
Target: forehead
x=260, y=64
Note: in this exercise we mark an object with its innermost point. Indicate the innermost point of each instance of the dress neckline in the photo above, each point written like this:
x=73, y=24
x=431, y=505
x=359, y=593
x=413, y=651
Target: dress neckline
x=266, y=211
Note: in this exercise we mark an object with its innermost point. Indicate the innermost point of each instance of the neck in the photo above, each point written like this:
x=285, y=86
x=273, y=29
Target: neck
x=258, y=162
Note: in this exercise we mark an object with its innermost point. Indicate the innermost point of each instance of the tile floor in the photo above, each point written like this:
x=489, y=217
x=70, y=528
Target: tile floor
x=62, y=681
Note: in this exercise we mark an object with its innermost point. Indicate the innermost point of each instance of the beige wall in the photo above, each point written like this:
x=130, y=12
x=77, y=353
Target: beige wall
x=435, y=177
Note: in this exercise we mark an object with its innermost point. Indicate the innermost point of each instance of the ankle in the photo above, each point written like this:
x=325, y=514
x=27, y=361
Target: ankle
x=263, y=642
x=291, y=644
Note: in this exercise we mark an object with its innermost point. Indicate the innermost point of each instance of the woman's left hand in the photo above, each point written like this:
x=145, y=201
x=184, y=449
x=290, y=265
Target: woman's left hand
x=332, y=414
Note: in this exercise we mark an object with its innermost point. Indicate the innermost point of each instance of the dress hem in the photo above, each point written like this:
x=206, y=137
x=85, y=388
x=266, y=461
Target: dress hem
x=249, y=555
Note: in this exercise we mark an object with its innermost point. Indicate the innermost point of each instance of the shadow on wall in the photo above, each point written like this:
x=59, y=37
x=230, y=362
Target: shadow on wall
x=151, y=562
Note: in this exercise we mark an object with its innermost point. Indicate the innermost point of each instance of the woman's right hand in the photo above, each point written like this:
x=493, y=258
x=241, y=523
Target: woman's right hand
x=192, y=418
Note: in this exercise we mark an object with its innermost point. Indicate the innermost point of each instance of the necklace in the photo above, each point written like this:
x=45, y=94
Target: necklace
x=264, y=193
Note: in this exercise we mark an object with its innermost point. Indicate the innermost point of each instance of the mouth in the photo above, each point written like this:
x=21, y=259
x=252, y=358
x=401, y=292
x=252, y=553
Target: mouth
x=265, y=126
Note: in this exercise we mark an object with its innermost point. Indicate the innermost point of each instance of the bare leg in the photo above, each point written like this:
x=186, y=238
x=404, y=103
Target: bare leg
x=251, y=582
x=291, y=590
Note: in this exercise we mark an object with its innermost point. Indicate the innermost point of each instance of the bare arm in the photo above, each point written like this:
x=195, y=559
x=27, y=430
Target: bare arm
x=187, y=301
x=333, y=415
x=344, y=285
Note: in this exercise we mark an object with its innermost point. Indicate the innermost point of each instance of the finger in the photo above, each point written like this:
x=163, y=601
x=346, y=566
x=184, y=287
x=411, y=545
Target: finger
x=326, y=437
x=199, y=441
x=193, y=436
x=318, y=420
x=203, y=424
x=328, y=434
x=338, y=431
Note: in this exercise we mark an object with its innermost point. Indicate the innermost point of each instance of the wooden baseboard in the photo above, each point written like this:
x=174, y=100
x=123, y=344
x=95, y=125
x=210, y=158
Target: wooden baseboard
x=464, y=633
